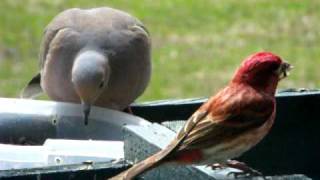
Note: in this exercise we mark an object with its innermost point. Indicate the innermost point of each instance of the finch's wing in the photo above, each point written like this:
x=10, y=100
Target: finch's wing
x=226, y=118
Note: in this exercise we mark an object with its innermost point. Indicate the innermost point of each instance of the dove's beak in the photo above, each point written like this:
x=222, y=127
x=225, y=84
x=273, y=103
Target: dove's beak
x=86, y=111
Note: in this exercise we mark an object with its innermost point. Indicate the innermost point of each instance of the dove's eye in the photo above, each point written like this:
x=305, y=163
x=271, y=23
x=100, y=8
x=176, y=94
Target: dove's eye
x=101, y=84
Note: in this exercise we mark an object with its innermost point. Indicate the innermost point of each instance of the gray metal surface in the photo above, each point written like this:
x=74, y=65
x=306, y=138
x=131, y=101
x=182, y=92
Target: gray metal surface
x=59, y=152
x=86, y=171
x=33, y=121
x=25, y=125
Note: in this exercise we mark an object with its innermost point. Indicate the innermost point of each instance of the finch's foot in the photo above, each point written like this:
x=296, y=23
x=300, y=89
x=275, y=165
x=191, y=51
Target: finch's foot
x=216, y=166
x=245, y=170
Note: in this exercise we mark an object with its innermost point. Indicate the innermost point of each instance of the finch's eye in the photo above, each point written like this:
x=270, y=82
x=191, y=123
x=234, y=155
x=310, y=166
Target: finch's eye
x=101, y=84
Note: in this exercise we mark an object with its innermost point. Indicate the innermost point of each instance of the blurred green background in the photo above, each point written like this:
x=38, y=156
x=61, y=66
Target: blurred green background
x=196, y=44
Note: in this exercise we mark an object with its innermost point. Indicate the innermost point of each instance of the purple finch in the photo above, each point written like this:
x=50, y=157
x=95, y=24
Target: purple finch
x=229, y=123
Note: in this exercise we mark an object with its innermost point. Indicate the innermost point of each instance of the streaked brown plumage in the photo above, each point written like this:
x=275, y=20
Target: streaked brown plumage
x=229, y=123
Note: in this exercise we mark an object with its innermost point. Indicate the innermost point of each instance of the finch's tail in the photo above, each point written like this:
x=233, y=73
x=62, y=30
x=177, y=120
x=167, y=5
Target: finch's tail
x=145, y=165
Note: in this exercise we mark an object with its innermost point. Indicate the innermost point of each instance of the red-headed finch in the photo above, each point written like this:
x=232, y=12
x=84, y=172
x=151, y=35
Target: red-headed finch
x=229, y=123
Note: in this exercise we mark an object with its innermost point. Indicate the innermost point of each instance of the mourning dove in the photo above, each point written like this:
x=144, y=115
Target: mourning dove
x=96, y=57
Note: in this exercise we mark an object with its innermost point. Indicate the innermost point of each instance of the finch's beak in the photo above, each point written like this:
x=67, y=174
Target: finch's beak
x=86, y=111
x=283, y=70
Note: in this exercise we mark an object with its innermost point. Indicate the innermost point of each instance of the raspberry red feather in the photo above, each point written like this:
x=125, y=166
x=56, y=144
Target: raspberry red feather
x=229, y=123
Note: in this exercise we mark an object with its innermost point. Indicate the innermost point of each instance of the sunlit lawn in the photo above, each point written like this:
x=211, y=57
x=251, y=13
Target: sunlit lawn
x=196, y=44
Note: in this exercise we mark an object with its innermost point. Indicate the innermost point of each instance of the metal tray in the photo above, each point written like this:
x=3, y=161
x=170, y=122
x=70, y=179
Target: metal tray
x=292, y=147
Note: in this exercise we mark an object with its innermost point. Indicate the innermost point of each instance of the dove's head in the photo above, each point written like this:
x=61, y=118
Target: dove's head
x=262, y=70
x=90, y=76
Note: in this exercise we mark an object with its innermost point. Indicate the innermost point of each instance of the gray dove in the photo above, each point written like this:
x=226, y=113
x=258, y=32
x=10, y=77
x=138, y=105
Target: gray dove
x=96, y=57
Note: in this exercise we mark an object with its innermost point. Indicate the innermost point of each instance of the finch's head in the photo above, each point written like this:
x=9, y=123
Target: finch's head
x=262, y=70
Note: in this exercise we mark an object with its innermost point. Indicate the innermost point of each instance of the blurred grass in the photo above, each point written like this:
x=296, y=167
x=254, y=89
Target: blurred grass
x=196, y=44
